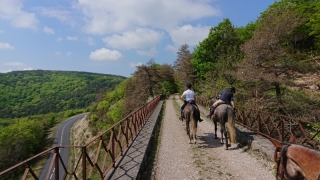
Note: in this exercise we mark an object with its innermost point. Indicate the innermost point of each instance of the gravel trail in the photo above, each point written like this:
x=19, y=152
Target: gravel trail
x=177, y=159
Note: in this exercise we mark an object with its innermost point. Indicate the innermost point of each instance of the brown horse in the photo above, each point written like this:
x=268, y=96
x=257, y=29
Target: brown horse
x=191, y=113
x=295, y=161
x=224, y=113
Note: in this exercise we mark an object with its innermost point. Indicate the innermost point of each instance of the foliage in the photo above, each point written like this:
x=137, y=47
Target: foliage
x=25, y=93
x=215, y=57
x=149, y=80
x=184, y=72
x=218, y=51
x=20, y=141
x=261, y=59
x=272, y=54
x=107, y=111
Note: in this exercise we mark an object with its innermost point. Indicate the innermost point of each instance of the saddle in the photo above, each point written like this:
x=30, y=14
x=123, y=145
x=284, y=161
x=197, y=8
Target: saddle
x=191, y=102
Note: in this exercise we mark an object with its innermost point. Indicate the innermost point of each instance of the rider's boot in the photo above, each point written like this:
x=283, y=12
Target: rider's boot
x=181, y=117
x=211, y=111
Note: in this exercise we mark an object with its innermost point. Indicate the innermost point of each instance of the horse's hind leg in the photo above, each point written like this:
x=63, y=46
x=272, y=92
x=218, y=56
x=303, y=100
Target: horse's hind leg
x=215, y=129
x=187, y=126
x=226, y=136
x=221, y=130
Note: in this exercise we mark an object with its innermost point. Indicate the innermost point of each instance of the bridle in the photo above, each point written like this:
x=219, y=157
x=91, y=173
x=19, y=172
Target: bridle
x=283, y=160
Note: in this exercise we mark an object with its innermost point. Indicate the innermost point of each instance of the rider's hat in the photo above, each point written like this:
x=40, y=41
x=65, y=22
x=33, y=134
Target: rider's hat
x=233, y=89
x=189, y=85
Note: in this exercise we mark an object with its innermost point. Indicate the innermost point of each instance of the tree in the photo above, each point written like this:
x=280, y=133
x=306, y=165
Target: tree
x=271, y=53
x=184, y=72
x=216, y=56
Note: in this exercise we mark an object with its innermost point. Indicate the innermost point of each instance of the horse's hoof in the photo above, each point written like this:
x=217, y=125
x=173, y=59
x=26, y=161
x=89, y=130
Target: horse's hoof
x=226, y=148
x=215, y=137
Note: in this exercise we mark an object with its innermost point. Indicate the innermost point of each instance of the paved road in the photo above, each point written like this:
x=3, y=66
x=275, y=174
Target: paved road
x=62, y=137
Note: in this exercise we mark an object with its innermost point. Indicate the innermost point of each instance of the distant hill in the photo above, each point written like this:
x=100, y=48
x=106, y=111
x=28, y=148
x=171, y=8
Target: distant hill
x=24, y=93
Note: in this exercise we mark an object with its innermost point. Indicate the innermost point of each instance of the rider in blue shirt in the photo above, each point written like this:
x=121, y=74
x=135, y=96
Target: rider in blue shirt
x=225, y=97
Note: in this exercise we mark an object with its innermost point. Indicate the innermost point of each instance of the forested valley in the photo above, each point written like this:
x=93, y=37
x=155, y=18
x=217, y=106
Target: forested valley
x=273, y=62
x=32, y=102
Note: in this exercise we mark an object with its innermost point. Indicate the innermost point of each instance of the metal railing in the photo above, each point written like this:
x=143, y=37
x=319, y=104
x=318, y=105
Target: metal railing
x=97, y=156
x=277, y=126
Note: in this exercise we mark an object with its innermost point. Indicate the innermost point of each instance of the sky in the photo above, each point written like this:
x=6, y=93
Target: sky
x=109, y=36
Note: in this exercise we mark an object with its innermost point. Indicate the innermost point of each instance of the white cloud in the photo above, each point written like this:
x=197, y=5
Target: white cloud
x=69, y=53
x=6, y=46
x=57, y=53
x=62, y=15
x=27, y=69
x=104, y=54
x=48, y=30
x=136, y=64
x=187, y=34
x=70, y=38
x=59, y=39
x=90, y=41
x=109, y=16
x=152, y=52
x=11, y=10
x=172, y=48
x=6, y=71
x=15, y=66
x=140, y=38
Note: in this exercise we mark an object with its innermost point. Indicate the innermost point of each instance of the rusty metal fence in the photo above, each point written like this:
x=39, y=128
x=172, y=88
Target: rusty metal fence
x=97, y=156
x=276, y=126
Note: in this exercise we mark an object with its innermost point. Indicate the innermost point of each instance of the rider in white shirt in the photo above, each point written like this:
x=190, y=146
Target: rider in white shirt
x=190, y=98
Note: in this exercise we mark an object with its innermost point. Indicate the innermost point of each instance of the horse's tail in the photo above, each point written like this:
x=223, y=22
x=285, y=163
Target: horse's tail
x=231, y=125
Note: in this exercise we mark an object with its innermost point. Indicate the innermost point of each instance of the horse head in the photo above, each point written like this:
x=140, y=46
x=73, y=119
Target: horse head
x=296, y=161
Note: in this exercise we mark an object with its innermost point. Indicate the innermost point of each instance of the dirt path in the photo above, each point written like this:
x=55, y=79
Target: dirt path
x=177, y=159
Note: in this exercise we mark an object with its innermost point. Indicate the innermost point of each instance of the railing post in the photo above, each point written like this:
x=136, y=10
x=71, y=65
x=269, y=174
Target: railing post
x=259, y=121
x=56, y=163
x=282, y=129
x=84, y=166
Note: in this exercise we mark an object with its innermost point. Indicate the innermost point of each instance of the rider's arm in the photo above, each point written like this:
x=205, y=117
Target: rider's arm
x=232, y=104
x=182, y=95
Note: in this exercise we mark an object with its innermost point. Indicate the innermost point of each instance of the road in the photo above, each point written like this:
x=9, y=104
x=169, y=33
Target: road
x=62, y=137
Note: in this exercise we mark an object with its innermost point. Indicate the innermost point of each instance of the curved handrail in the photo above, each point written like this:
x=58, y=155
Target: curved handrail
x=99, y=154
x=276, y=126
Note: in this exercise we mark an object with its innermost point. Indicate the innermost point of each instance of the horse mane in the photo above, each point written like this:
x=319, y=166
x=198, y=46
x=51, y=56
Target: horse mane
x=303, y=161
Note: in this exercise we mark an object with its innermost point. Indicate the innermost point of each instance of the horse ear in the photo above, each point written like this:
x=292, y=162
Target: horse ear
x=293, y=139
x=275, y=142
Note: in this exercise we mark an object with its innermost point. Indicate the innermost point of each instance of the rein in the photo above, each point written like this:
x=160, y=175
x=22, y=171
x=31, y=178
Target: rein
x=283, y=160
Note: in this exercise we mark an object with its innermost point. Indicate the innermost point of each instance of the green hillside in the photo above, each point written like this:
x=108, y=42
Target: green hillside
x=25, y=93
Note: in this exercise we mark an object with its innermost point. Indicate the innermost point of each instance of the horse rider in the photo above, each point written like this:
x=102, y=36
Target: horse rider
x=225, y=97
x=190, y=98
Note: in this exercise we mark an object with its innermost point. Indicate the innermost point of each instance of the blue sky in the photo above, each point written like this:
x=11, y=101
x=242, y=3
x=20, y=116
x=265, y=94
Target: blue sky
x=109, y=36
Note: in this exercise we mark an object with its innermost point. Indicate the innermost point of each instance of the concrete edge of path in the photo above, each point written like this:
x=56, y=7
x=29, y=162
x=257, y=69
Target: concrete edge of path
x=134, y=159
x=130, y=165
